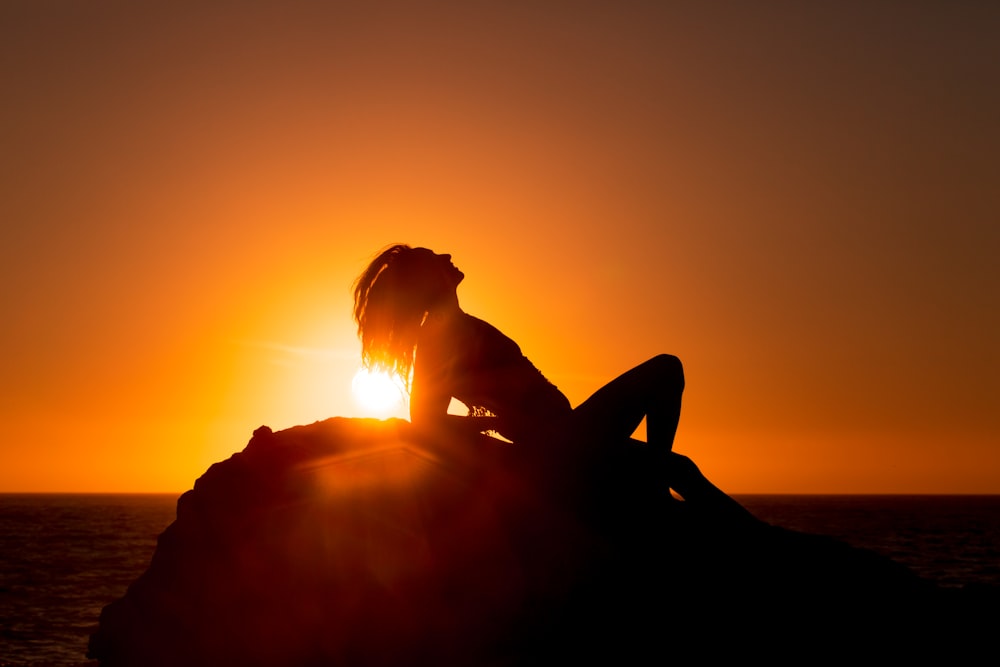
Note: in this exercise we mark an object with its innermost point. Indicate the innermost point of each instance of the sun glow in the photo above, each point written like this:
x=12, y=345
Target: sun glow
x=378, y=393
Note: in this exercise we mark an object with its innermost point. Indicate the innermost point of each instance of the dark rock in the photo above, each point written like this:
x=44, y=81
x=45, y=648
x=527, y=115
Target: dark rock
x=355, y=542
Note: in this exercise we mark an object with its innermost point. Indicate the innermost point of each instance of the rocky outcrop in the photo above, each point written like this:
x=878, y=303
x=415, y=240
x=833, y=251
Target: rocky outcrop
x=357, y=542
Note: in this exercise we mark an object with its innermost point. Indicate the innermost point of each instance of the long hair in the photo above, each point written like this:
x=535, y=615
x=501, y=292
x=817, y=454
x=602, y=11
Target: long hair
x=391, y=299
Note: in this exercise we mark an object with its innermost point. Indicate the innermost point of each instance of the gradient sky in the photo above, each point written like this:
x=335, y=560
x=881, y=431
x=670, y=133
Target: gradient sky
x=801, y=200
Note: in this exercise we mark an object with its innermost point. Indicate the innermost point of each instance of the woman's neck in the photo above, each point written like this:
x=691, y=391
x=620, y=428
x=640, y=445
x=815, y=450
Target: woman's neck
x=444, y=312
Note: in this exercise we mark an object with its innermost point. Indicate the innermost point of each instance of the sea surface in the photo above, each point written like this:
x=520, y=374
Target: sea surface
x=63, y=557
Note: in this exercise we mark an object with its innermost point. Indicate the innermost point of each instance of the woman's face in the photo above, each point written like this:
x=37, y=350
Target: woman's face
x=443, y=266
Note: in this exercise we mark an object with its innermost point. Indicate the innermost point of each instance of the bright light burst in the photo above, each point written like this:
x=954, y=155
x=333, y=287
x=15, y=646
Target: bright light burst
x=378, y=393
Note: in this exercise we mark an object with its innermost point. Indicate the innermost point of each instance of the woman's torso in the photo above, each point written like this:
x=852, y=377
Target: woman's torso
x=484, y=369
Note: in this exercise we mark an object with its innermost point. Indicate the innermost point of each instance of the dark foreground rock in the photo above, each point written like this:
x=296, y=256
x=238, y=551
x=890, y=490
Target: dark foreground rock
x=354, y=542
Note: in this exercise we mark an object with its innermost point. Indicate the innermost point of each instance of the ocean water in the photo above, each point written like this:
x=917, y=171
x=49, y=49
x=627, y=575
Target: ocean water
x=63, y=557
x=951, y=540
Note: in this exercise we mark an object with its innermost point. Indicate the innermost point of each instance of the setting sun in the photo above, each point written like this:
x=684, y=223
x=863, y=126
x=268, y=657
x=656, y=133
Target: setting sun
x=378, y=393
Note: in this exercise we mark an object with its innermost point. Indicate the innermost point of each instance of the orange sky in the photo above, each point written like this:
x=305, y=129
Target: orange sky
x=799, y=201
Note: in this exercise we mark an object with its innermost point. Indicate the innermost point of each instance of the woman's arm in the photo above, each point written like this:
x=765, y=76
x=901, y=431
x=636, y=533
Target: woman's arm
x=430, y=414
x=430, y=398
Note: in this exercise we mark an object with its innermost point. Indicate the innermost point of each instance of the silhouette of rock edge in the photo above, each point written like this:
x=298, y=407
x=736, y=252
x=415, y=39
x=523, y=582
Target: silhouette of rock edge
x=354, y=541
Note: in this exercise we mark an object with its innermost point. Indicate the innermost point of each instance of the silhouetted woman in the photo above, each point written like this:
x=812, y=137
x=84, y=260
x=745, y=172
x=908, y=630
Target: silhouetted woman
x=408, y=315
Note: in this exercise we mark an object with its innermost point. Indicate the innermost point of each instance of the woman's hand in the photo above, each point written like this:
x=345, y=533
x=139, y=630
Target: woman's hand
x=457, y=426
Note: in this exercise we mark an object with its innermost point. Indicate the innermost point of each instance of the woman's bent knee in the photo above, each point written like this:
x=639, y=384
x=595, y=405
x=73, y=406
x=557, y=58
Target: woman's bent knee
x=667, y=365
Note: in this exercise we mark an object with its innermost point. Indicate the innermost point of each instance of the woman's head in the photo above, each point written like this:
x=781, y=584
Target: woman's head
x=392, y=296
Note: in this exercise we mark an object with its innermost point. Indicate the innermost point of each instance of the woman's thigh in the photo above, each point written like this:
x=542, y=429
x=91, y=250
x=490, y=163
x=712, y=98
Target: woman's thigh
x=617, y=408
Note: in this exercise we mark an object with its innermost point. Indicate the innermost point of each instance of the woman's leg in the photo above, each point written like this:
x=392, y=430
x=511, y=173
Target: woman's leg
x=652, y=390
x=705, y=497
